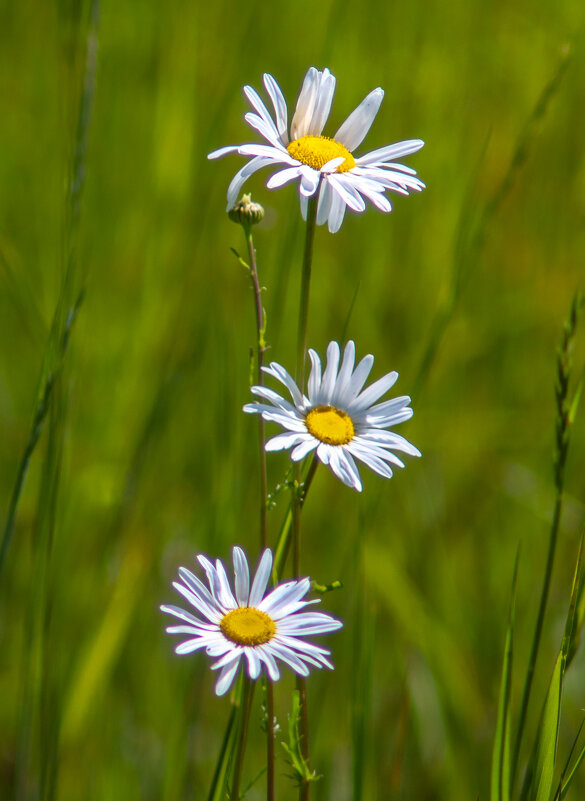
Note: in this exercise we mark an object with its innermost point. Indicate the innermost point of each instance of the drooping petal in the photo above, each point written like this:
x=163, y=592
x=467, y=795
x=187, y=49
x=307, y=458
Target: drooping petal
x=283, y=177
x=346, y=192
x=242, y=176
x=336, y=213
x=226, y=677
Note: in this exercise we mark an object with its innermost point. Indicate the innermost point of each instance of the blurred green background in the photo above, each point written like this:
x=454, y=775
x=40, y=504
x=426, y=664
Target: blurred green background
x=154, y=460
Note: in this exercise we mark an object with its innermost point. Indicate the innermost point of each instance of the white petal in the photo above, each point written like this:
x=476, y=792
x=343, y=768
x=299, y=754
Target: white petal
x=264, y=115
x=376, y=196
x=261, y=578
x=280, y=108
x=389, y=439
x=226, y=677
x=271, y=666
x=309, y=181
x=289, y=657
x=283, y=595
x=241, y=576
x=359, y=378
x=304, y=448
x=277, y=155
x=324, y=205
x=314, y=386
x=373, y=392
x=282, y=442
x=274, y=398
x=196, y=586
x=226, y=596
x=242, y=175
x=390, y=152
x=344, y=377
x=347, y=192
x=345, y=469
x=309, y=623
x=325, y=92
x=370, y=459
x=182, y=614
x=268, y=131
x=189, y=646
x=282, y=375
x=336, y=213
x=305, y=105
x=253, y=663
x=223, y=151
x=330, y=374
x=331, y=166
x=355, y=128
x=304, y=206
x=283, y=177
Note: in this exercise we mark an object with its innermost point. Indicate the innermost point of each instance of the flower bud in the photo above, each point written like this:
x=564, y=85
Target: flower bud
x=245, y=212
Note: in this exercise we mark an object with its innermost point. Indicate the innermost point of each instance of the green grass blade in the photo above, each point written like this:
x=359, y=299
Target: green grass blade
x=566, y=776
x=546, y=744
x=500, y=779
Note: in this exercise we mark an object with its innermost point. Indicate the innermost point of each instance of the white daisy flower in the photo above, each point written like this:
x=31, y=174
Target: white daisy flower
x=250, y=624
x=337, y=420
x=322, y=164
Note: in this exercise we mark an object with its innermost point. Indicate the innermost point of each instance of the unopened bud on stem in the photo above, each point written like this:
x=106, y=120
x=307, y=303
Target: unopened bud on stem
x=245, y=212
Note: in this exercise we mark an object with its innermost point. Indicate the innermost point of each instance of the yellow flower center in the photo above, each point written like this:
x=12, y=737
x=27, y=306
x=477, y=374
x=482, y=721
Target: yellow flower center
x=330, y=425
x=318, y=150
x=248, y=626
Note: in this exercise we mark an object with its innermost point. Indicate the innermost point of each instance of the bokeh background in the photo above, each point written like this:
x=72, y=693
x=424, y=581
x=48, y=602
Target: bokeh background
x=145, y=457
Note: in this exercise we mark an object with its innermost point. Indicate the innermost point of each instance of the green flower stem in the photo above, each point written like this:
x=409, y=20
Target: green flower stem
x=269, y=741
x=260, y=350
x=304, y=726
x=243, y=736
x=283, y=541
x=298, y=494
x=305, y=288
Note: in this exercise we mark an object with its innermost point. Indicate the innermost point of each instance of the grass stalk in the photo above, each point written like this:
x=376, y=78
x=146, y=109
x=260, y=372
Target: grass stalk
x=564, y=418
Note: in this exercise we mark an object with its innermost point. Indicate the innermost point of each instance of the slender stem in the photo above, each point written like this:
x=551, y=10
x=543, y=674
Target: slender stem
x=260, y=349
x=223, y=754
x=243, y=737
x=297, y=499
x=301, y=687
x=283, y=541
x=269, y=741
x=305, y=288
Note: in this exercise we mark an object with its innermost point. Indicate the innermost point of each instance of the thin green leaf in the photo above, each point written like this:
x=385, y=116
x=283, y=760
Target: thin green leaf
x=500, y=782
x=564, y=773
x=567, y=782
x=546, y=743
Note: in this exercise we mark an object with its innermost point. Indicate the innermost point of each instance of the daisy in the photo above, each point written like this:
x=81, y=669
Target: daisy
x=250, y=624
x=322, y=164
x=337, y=420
